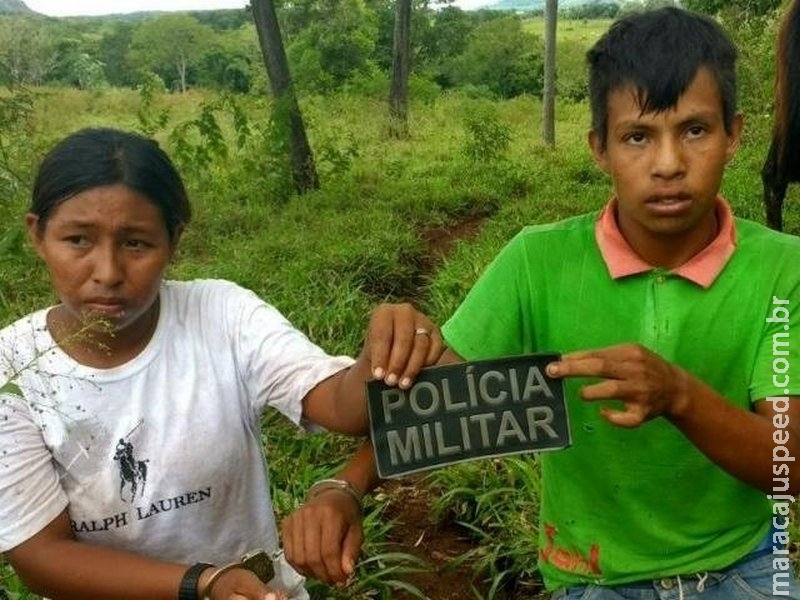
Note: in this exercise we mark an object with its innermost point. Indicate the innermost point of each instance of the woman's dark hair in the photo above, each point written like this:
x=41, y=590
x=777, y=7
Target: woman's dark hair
x=658, y=53
x=98, y=157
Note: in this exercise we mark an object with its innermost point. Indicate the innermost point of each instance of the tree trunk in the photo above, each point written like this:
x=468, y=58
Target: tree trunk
x=181, y=67
x=549, y=96
x=304, y=171
x=398, y=97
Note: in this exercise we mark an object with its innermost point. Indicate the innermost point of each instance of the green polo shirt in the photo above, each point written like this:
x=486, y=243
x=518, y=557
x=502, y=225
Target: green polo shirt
x=624, y=505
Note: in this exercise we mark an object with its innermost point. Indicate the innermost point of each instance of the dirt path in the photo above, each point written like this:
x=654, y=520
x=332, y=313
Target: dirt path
x=416, y=533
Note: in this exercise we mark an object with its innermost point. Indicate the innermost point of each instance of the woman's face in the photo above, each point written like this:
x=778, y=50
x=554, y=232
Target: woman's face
x=106, y=249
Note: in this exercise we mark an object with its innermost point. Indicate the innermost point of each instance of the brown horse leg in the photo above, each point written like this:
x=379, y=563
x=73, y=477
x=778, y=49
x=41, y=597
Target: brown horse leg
x=773, y=200
x=774, y=189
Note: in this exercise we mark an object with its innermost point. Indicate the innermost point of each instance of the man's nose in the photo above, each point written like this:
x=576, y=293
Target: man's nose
x=669, y=160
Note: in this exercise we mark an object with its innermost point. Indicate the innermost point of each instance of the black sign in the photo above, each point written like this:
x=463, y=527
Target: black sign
x=467, y=411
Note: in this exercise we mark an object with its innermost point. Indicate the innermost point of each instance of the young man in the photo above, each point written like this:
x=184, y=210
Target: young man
x=679, y=327
x=683, y=318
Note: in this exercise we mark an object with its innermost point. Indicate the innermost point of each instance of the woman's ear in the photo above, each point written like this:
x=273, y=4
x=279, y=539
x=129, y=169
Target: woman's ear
x=35, y=231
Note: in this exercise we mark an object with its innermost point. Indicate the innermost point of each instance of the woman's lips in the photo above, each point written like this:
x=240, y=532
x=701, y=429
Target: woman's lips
x=105, y=308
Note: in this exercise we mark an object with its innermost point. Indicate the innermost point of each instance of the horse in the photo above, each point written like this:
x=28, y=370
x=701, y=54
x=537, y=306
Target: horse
x=782, y=165
x=131, y=471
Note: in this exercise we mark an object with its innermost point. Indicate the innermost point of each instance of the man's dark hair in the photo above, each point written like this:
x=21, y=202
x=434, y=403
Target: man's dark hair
x=658, y=53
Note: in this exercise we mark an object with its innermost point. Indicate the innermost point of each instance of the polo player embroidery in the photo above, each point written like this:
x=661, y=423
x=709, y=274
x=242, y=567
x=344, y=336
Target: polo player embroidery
x=132, y=472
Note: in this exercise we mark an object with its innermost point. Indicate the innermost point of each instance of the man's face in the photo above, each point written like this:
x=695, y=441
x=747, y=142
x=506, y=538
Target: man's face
x=667, y=168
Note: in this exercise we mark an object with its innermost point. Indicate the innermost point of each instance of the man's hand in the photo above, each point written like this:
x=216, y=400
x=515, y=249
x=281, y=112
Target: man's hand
x=322, y=538
x=648, y=385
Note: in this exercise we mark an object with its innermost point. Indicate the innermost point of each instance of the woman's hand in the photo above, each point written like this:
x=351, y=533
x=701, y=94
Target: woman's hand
x=399, y=342
x=235, y=584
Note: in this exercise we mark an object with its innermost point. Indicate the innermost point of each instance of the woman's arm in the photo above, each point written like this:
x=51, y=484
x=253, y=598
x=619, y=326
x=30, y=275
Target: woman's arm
x=399, y=342
x=54, y=564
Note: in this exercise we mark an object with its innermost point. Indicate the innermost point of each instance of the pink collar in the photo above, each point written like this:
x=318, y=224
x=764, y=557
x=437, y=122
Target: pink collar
x=701, y=269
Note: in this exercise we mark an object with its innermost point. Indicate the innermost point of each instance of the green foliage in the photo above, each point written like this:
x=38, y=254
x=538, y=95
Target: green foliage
x=224, y=20
x=75, y=67
x=497, y=503
x=501, y=56
x=335, y=152
x=571, y=77
x=755, y=39
x=151, y=119
x=27, y=51
x=10, y=586
x=171, y=46
x=20, y=144
x=592, y=10
x=233, y=62
x=16, y=126
x=488, y=136
x=749, y=7
x=198, y=142
x=334, y=46
x=445, y=37
x=112, y=53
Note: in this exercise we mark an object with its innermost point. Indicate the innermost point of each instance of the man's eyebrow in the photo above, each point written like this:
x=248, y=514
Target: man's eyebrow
x=703, y=116
x=633, y=124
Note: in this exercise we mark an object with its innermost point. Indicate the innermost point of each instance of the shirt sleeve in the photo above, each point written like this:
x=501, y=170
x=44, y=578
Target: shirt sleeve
x=280, y=364
x=31, y=495
x=494, y=318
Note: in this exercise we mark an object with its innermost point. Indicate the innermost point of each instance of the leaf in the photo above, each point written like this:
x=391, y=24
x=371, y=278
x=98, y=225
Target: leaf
x=11, y=388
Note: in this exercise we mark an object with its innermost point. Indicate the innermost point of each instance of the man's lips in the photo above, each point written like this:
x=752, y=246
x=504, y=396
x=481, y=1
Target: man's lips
x=669, y=204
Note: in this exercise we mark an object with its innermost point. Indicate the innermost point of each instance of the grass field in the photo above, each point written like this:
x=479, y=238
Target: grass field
x=584, y=31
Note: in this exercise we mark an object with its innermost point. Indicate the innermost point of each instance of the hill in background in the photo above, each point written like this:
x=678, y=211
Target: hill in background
x=14, y=6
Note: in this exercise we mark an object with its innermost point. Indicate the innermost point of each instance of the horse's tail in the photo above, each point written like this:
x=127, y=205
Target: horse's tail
x=787, y=91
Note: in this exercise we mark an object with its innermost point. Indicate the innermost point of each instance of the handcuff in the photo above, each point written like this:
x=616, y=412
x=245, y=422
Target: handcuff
x=258, y=562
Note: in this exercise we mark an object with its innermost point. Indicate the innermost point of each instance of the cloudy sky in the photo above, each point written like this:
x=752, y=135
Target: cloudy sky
x=64, y=8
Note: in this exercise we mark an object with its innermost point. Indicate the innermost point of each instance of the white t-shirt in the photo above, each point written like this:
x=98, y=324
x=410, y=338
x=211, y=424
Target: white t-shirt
x=161, y=456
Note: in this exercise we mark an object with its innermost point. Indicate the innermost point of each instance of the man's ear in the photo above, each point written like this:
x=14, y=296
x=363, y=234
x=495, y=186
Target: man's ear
x=598, y=150
x=34, y=232
x=734, y=137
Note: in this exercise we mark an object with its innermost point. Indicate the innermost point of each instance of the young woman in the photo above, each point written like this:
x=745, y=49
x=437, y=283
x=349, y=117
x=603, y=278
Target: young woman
x=131, y=464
